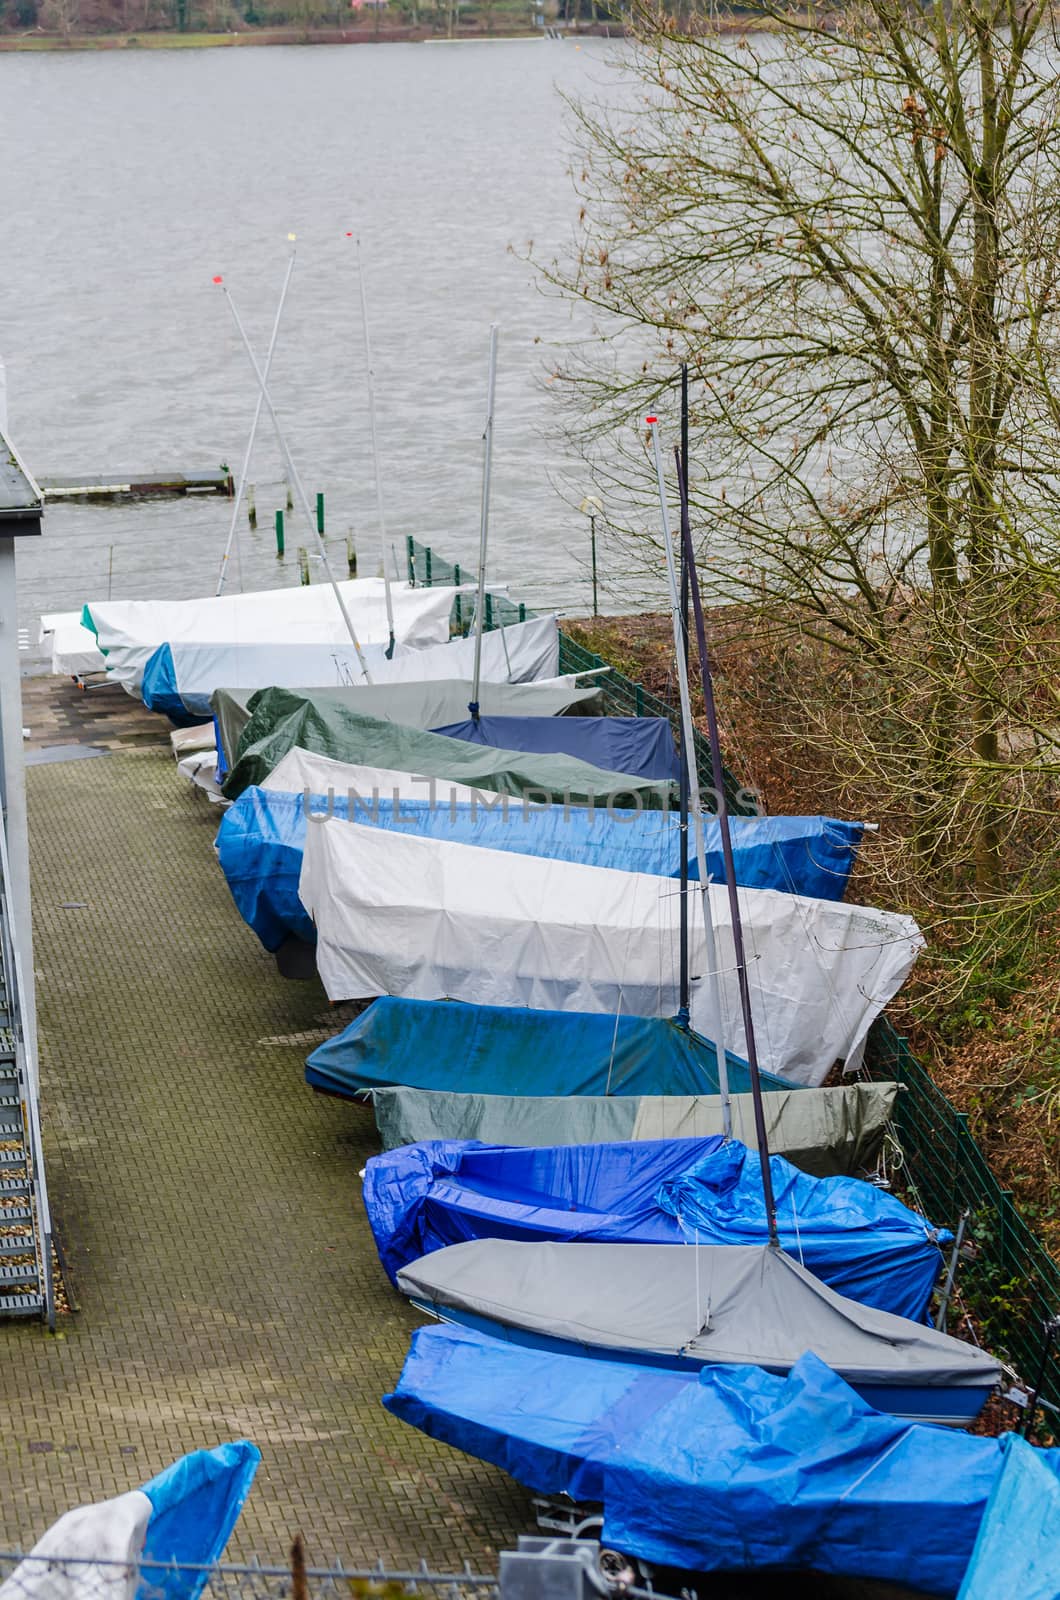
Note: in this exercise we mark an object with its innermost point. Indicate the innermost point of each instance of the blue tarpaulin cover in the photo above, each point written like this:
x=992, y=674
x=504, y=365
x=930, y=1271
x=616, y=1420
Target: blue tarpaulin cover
x=1017, y=1552
x=860, y=1241
x=551, y=1421
x=425, y=1196
x=445, y=1044
x=728, y=1470
x=196, y=1503
x=643, y=746
x=262, y=838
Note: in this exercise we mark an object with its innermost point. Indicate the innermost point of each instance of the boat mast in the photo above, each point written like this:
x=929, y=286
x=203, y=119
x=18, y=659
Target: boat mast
x=685, y=1008
x=375, y=454
x=688, y=746
x=726, y=848
x=484, y=519
x=293, y=477
x=241, y=489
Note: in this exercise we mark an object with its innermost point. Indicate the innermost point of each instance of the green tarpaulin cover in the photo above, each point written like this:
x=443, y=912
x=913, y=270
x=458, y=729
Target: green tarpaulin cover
x=416, y=704
x=325, y=724
x=826, y=1132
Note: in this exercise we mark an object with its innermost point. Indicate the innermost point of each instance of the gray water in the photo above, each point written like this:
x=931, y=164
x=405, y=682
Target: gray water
x=129, y=179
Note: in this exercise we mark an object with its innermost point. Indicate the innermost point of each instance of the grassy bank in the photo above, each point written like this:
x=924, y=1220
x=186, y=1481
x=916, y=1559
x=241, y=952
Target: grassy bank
x=387, y=33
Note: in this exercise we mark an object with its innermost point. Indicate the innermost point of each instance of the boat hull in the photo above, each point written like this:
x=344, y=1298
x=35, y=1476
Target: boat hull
x=949, y=1406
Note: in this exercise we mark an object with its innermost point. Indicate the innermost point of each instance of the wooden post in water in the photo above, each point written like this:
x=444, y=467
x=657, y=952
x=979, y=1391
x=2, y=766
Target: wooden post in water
x=351, y=554
x=303, y=564
x=290, y=495
x=252, y=506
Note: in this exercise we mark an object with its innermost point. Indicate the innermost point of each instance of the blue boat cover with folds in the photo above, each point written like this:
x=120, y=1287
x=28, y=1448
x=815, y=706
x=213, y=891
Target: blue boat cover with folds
x=858, y=1239
x=551, y=1421
x=425, y=1196
x=731, y=1469
x=445, y=1044
x=643, y=746
x=1018, y=1548
x=861, y=1242
x=262, y=838
x=196, y=1504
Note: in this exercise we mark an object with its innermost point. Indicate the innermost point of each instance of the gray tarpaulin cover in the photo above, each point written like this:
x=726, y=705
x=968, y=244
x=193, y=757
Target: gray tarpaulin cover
x=824, y=1131
x=735, y=1304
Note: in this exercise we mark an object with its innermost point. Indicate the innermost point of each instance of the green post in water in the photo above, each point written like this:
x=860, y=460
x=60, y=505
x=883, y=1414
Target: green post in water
x=320, y=514
x=279, y=533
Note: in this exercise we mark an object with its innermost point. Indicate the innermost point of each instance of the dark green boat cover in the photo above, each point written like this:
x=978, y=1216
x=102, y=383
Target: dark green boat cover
x=325, y=724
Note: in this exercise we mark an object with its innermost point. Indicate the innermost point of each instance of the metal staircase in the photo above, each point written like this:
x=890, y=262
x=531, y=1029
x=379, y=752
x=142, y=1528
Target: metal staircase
x=26, y=1283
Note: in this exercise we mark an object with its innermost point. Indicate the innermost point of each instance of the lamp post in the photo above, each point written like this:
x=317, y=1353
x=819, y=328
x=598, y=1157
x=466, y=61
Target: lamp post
x=591, y=507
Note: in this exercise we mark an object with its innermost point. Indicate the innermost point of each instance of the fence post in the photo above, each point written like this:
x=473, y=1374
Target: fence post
x=427, y=579
x=638, y=700
x=410, y=559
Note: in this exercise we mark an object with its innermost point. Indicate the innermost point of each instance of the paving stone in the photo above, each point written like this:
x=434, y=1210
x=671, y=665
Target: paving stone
x=207, y=1201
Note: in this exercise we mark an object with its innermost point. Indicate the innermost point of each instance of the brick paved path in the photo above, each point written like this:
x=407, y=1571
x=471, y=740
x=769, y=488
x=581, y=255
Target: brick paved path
x=209, y=1204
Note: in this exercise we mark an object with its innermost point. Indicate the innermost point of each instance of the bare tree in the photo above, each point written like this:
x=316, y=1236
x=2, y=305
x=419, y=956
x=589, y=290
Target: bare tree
x=848, y=224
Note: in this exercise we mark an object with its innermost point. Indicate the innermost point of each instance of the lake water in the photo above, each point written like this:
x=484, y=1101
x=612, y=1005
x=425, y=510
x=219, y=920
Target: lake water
x=129, y=179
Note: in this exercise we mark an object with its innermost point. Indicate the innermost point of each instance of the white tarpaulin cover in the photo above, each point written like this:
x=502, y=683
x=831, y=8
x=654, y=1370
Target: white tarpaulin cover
x=182, y=676
x=302, y=769
x=130, y=631
x=422, y=918
x=73, y=646
x=112, y=1531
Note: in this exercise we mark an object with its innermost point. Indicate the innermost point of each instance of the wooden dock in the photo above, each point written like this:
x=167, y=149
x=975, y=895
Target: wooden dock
x=161, y=485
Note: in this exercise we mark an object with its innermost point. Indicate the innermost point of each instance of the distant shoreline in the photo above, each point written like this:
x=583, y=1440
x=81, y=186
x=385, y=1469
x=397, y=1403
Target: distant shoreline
x=170, y=39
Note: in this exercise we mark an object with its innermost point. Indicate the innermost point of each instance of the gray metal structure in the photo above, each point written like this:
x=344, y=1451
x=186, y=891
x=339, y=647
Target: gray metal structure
x=26, y=1287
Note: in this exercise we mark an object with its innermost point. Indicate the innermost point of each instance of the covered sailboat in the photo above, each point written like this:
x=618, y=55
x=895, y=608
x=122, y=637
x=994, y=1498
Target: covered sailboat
x=325, y=721
x=400, y=915
x=412, y=704
x=826, y=1131
x=729, y=1469
x=862, y=1241
x=180, y=677
x=441, y=1044
x=733, y=1305
x=644, y=745
x=128, y=632
x=262, y=839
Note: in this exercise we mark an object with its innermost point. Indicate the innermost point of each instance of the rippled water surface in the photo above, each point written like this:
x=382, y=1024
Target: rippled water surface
x=130, y=179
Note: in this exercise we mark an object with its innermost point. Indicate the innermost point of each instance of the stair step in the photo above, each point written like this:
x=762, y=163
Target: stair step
x=12, y=1158
x=21, y=1305
x=18, y=1245
x=10, y=1277
x=15, y=1217
x=17, y=1188
x=11, y=1122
